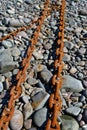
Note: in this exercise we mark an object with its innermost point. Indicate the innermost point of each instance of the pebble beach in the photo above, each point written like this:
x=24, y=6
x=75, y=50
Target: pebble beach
x=31, y=109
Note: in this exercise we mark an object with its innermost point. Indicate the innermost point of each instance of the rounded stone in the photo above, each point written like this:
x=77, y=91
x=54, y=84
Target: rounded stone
x=69, y=123
x=15, y=52
x=40, y=117
x=28, y=110
x=28, y=124
x=7, y=43
x=16, y=122
x=73, y=70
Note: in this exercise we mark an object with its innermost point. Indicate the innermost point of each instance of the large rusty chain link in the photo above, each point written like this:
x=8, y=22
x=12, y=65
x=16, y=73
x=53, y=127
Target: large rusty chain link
x=55, y=102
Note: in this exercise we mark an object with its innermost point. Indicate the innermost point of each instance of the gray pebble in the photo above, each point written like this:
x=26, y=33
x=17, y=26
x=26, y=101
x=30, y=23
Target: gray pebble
x=40, y=117
x=7, y=43
x=69, y=123
x=73, y=110
x=45, y=75
x=72, y=84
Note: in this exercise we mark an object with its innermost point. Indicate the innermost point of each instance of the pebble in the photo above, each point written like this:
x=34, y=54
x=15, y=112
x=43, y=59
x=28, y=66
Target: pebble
x=39, y=67
x=32, y=81
x=73, y=70
x=38, y=55
x=28, y=124
x=78, y=104
x=68, y=45
x=34, y=90
x=8, y=74
x=39, y=100
x=6, y=66
x=16, y=123
x=6, y=61
x=1, y=87
x=69, y=123
x=25, y=99
x=79, y=117
x=72, y=84
x=7, y=43
x=15, y=52
x=73, y=110
x=82, y=50
x=28, y=110
x=15, y=23
x=47, y=46
x=40, y=117
x=45, y=75
x=66, y=57
x=82, y=123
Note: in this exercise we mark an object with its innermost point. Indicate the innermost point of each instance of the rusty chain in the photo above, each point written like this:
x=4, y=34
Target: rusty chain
x=55, y=102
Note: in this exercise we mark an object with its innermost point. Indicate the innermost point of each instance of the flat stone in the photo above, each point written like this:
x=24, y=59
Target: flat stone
x=72, y=84
x=25, y=99
x=28, y=110
x=32, y=81
x=7, y=66
x=3, y=29
x=66, y=57
x=8, y=74
x=73, y=110
x=73, y=70
x=40, y=117
x=39, y=100
x=15, y=23
x=1, y=87
x=15, y=51
x=46, y=75
x=47, y=46
x=7, y=43
x=16, y=121
x=69, y=123
x=68, y=45
x=28, y=124
x=39, y=67
x=38, y=55
x=82, y=50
